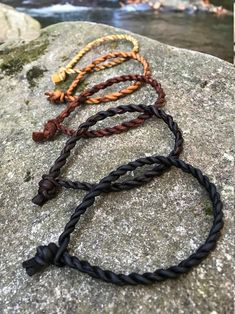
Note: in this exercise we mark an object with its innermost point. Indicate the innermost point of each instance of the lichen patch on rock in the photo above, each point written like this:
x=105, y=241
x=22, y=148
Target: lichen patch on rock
x=33, y=75
x=13, y=59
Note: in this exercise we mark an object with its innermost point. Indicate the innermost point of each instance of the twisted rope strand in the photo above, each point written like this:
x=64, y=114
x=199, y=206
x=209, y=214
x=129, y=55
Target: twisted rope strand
x=49, y=184
x=59, y=96
x=53, y=126
x=68, y=69
x=59, y=255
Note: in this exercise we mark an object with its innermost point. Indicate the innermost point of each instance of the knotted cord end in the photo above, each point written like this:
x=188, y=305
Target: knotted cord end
x=58, y=76
x=39, y=199
x=44, y=257
x=56, y=97
x=48, y=133
x=38, y=136
x=47, y=190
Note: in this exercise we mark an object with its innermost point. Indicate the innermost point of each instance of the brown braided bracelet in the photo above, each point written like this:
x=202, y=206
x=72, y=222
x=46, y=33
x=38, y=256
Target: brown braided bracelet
x=50, y=182
x=59, y=96
x=54, y=126
x=68, y=69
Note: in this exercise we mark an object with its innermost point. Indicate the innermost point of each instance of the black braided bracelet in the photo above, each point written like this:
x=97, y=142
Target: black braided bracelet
x=50, y=183
x=59, y=255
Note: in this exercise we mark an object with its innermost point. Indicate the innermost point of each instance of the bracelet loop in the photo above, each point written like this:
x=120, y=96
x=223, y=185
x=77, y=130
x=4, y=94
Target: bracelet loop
x=68, y=69
x=71, y=106
x=59, y=96
x=44, y=256
x=48, y=191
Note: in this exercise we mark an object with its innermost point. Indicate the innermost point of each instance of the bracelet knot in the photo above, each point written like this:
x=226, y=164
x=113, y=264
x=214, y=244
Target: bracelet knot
x=50, y=129
x=59, y=76
x=56, y=97
x=46, y=191
x=45, y=256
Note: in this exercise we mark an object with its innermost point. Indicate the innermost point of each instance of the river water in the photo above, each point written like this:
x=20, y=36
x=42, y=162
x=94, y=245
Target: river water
x=201, y=31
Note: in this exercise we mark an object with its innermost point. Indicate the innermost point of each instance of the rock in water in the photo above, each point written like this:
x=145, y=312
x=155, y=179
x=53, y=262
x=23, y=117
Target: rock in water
x=153, y=226
x=15, y=25
x=136, y=7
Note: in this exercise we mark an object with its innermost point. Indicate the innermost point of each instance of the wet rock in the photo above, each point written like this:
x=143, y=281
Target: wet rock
x=153, y=226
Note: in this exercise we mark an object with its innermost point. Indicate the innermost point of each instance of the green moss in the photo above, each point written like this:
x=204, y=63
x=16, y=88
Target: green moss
x=28, y=176
x=64, y=85
x=33, y=74
x=64, y=58
x=14, y=59
x=113, y=45
x=207, y=206
x=82, y=86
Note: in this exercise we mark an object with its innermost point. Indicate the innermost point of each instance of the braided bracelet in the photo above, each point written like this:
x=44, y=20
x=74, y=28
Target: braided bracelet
x=68, y=69
x=49, y=184
x=59, y=255
x=59, y=96
x=53, y=126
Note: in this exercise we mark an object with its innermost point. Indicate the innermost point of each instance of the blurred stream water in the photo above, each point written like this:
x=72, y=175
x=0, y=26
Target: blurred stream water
x=201, y=31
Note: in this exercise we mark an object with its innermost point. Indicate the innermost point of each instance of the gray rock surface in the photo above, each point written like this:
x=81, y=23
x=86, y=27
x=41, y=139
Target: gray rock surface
x=149, y=227
x=17, y=26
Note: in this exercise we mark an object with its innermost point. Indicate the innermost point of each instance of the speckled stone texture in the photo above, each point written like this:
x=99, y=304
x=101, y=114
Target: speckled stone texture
x=17, y=26
x=153, y=226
